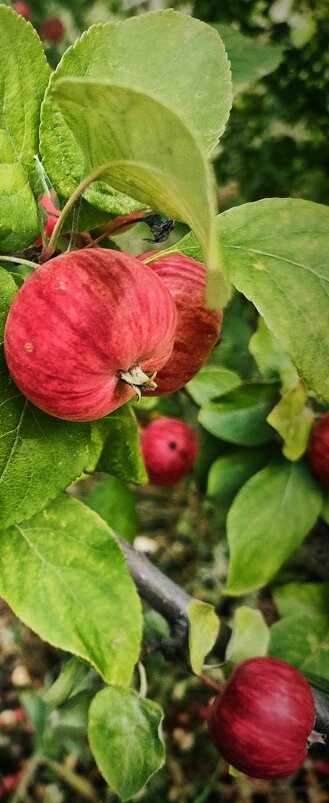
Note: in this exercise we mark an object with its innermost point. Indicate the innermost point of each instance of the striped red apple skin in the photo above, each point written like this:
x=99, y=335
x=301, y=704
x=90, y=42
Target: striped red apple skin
x=198, y=327
x=262, y=720
x=79, y=321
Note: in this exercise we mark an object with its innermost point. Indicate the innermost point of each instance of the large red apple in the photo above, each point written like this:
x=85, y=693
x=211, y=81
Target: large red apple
x=263, y=718
x=85, y=331
x=318, y=449
x=169, y=449
x=197, y=326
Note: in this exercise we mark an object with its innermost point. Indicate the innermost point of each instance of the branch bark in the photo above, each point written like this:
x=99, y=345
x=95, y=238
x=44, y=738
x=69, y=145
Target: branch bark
x=172, y=602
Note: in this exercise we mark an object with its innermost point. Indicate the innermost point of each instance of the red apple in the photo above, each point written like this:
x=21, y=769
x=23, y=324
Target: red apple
x=197, y=326
x=169, y=449
x=85, y=331
x=318, y=449
x=52, y=29
x=23, y=9
x=262, y=720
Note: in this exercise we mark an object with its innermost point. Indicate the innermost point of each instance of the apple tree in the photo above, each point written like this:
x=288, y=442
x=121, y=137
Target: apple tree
x=108, y=139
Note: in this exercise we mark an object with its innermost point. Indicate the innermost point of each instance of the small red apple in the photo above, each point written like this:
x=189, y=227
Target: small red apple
x=318, y=449
x=86, y=330
x=169, y=449
x=52, y=29
x=197, y=326
x=262, y=720
x=23, y=9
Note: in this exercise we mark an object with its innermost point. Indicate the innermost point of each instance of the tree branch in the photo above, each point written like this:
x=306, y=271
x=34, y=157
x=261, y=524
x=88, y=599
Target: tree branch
x=172, y=602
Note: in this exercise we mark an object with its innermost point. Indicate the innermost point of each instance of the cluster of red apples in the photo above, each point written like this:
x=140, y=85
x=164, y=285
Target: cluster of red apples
x=91, y=329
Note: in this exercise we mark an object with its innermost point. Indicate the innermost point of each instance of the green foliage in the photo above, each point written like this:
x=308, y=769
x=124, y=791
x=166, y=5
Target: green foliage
x=20, y=101
x=39, y=455
x=203, y=631
x=239, y=416
x=295, y=638
x=250, y=60
x=132, y=750
x=58, y=571
x=269, y=518
x=114, y=502
x=250, y=636
x=121, y=452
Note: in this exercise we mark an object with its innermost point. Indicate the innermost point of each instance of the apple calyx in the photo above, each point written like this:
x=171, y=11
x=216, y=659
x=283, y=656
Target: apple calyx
x=316, y=737
x=138, y=379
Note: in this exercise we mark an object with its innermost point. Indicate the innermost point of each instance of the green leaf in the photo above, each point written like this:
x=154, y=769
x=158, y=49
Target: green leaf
x=318, y=664
x=210, y=382
x=270, y=357
x=72, y=673
x=293, y=420
x=250, y=59
x=24, y=77
x=124, y=136
x=297, y=598
x=203, y=631
x=269, y=518
x=276, y=252
x=230, y=471
x=250, y=635
x=64, y=575
x=114, y=502
x=188, y=70
x=296, y=637
x=125, y=737
x=8, y=290
x=39, y=455
x=315, y=680
x=121, y=453
x=240, y=415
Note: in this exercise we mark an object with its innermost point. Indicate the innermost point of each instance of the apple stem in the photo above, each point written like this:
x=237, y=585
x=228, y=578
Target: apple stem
x=76, y=195
x=138, y=379
x=210, y=682
x=19, y=261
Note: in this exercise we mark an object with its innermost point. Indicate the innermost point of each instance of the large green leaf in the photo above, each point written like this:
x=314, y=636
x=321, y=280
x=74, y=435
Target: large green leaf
x=250, y=59
x=239, y=416
x=212, y=381
x=276, y=251
x=269, y=518
x=231, y=470
x=126, y=135
x=297, y=598
x=114, y=502
x=24, y=75
x=295, y=638
x=64, y=575
x=39, y=455
x=177, y=59
x=125, y=737
x=121, y=454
